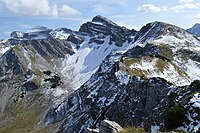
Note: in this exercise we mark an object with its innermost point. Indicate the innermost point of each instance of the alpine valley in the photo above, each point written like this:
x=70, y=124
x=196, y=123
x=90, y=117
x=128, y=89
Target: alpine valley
x=65, y=81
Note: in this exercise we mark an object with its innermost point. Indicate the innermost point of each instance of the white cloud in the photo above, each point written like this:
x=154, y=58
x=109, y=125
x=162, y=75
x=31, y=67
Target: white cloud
x=38, y=8
x=55, y=10
x=114, y=2
x=178, y=9
x=197, y=16
x=185, y=1
x=28, y=7
x=68, y=11
x=100, y=8
x=149, y=8
x=192, y=6
x=183, y=7
x=165, y=8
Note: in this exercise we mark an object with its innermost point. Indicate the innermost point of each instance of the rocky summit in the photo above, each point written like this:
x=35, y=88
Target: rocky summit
x=60, y=80
x=195, y=29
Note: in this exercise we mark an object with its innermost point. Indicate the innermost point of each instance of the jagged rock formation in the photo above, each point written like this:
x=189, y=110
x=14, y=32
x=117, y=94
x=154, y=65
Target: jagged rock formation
x=104, y=27
x=103, y=71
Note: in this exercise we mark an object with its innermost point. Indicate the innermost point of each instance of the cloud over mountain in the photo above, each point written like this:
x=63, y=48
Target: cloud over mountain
x=38, y=8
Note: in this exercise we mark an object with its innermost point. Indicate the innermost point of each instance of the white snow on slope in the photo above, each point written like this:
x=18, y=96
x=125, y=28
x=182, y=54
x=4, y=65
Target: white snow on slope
x=122, y=77
x=155, y=129
x=193, y=69
x=195, y=101
x=79, y=67
x=3, y=50
x=193, y=123
x=181, y=41
x=169, y=72
x=59, y=34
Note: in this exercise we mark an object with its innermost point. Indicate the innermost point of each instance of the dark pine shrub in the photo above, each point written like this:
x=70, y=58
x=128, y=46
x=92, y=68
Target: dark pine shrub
x=174, y=117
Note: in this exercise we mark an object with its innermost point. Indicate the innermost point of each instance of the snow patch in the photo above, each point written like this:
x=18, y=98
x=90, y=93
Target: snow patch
x=4, y=50
x=122, y=77
x=59, y=34
x=169, y=71
x=79, y=67
x=195, y=100
x=155, y=129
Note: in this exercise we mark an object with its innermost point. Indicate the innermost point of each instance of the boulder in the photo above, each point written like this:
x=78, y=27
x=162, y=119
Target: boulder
x=106, y=126
x=109, y=127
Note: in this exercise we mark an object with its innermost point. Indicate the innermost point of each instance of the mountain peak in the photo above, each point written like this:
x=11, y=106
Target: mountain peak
x=195, y=29
x=157, y=29
x=197, y=25
x=103, y=20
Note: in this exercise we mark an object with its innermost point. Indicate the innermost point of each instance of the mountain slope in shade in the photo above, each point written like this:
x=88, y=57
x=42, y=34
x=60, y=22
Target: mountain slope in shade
x=195, y=29
x=63, y=77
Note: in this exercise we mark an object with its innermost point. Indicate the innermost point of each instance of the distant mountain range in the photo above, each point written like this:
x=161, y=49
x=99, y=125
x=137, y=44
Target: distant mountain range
x=60, y=80
x=195, y=29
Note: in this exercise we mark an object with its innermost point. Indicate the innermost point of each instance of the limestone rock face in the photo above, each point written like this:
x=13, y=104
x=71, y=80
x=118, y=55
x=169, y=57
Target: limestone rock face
x=109, y=127
x=102, y=27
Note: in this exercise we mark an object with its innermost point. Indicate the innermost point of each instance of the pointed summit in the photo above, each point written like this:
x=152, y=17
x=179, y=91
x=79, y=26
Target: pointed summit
x=157, y=29
x=195, y=29
x=103, y=20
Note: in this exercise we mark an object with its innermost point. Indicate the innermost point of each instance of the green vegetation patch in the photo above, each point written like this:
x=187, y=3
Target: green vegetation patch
x=20, y=118
x=48, y=73
x=133, y=130
x=55, y=81
x=38, y=76
x=196, y=84
x=175, y=117
x=127, y=62
x=159, y=67
x=165, y=51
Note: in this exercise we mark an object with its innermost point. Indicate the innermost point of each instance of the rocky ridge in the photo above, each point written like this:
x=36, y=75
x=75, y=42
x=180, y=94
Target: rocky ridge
x=64, y=77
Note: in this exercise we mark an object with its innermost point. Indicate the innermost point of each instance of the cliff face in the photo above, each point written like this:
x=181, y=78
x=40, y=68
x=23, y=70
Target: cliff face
x=66, y=81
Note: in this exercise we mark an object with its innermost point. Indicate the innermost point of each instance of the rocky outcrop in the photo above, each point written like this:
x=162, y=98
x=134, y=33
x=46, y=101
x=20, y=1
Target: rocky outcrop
x=106, y=126
x=103, y=20
x=10, y=65
x=109, y=127
x=18, y=34
x=75, y=39
x=103, y=27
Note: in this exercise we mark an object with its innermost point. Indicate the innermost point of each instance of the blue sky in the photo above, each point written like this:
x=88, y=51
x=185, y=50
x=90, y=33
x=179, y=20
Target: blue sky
x=24, y=14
